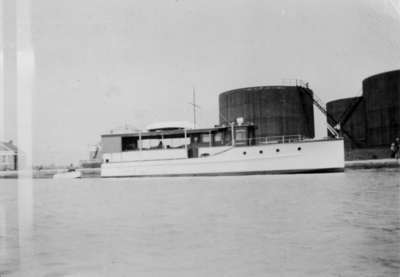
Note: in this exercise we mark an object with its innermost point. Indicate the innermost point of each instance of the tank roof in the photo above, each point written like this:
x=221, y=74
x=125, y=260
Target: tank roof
x=347, y=99
x=257, y=88
x=396, y=71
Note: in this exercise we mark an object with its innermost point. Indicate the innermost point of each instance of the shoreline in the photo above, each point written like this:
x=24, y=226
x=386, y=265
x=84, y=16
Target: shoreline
x=95, y=172
x=370, y=164
x=49, y=173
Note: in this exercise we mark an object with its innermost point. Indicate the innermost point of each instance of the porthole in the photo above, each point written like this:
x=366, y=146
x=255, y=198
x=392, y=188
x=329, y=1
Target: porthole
x=244, y=153
x=107, y=160
x=298, y=148
x=260, y=152
x=277, y=150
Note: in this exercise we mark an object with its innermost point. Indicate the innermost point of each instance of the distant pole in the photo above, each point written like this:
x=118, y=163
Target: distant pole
x=233, y=133
x=140, y=141
x=185, y=134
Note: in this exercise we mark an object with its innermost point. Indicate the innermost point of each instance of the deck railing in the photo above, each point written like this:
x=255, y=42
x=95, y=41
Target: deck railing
x=270, y=139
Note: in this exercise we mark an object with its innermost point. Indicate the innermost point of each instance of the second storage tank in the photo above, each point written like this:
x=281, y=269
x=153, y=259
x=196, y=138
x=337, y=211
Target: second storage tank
x=275, y=110
x=355, y=124
x=382, y=98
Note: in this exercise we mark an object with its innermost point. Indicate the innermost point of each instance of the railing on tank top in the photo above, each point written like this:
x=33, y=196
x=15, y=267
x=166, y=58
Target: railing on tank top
x=294, y=82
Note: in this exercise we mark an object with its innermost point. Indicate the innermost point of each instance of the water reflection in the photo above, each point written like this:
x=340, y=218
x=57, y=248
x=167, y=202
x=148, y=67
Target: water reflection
x=319, y=225
x=25, y=219
x=16, y=224
x=9, y=235
x=3, y=231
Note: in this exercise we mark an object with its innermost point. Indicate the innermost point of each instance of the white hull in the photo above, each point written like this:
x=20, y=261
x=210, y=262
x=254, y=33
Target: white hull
x=296, y=157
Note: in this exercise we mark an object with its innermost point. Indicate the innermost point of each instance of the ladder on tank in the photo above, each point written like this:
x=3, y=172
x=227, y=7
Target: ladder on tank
x=303, y=87
x=337, y=127
x=345, y=116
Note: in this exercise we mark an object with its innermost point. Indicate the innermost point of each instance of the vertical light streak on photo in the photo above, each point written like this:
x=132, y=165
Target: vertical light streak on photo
x=2, y=87
x=25, y=86
x=395, y=6
x=3, y=233
x=3, y=222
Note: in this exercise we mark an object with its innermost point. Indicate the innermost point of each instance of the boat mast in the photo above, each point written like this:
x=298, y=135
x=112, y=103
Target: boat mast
x=195, y=106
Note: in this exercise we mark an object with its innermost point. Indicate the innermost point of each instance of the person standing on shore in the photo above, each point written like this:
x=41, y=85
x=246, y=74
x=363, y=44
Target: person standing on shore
x=392, y=150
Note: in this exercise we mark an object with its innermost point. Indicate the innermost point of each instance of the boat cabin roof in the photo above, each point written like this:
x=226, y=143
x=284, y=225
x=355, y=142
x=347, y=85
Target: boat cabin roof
x=177, y=133
x=169, y=125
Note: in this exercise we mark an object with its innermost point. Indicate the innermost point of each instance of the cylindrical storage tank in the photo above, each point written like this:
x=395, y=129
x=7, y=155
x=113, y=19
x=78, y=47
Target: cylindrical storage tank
x=382, y=105
x=355, y=125
x=275, y=110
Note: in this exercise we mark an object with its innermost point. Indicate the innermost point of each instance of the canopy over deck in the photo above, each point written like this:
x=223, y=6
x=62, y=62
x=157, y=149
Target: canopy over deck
x=169, y=125
x=175, y=133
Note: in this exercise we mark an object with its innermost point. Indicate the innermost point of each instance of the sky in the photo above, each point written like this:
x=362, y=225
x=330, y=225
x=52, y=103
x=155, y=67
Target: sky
x=102, y=64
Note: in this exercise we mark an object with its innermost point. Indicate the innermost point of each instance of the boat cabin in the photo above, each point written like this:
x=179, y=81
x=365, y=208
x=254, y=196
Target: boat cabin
x=173, y=143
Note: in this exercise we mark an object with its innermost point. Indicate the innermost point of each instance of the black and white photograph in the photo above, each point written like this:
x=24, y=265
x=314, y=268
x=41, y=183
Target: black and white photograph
x=200, y=138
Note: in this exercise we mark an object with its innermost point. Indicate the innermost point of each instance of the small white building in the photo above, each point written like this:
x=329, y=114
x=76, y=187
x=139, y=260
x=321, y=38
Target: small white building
x=8, y=156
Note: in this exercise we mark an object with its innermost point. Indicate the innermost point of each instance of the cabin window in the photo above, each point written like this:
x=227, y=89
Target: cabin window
x=205, y=138
x=129, y=143
x=195, y=139
x=218, y=137
x=241, y=136
x=152, y=144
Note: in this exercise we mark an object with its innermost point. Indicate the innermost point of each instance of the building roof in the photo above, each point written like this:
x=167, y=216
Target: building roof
x=8, y=146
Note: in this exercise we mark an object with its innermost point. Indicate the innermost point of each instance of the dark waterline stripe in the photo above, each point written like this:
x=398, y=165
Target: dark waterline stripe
x=242, y=173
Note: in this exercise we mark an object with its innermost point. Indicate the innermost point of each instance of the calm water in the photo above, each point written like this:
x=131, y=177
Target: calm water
x=297, y=225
